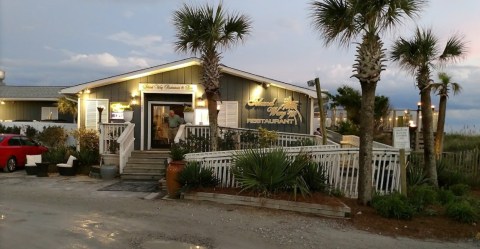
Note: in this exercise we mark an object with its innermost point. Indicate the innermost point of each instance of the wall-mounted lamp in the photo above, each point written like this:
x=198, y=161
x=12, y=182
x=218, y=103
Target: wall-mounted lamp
x=87, y=91
x=134, y=100
x=2, y=102
x=419, y=104
x=433, y=108
x=200, y=102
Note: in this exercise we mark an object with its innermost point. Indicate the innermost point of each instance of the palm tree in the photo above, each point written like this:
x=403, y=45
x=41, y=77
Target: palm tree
x=344, y=21
x=419, y=56
x=67, y=106
x=205, y=31
x=443, y=88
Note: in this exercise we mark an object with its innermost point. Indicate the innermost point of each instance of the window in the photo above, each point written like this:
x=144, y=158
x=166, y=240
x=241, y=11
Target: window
x=26, y=141
x=91, y=112
x=228, y=114
x=49, y=113
x=14, y=141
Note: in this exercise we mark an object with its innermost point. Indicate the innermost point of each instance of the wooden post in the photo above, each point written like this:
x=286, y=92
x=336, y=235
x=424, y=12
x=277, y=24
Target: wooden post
x=403, y=172
x=320, y=109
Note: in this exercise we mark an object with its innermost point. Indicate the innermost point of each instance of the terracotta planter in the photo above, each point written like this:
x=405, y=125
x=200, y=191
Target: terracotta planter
x=174, y=167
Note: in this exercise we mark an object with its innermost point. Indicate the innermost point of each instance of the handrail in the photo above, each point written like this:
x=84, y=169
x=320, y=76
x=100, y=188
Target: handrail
x=109, y=133
x=126, y=142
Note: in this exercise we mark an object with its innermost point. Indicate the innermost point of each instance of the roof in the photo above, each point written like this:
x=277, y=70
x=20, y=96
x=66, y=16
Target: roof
x=30, y=93
x=181, y=64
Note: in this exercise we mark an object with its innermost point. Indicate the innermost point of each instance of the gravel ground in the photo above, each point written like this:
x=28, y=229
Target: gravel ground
x=62, y=212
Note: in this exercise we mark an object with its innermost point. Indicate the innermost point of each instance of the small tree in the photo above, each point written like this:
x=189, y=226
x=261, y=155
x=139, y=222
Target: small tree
x=67, y=106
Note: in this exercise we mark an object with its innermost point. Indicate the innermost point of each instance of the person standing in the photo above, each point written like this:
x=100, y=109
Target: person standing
x=174, y=121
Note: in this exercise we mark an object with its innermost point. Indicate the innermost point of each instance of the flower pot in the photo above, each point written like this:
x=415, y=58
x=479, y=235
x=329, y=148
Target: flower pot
x=111, y=159
x=189, y=117
x=127, y=116
x=174, y=167
x=108, y=172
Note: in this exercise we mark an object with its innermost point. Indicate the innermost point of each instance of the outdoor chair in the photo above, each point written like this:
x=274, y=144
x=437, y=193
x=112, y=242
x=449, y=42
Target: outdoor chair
x=69, y=168
x=30, y=165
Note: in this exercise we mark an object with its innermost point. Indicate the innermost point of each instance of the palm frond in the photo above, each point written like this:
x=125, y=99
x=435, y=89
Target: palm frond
x=454, y=50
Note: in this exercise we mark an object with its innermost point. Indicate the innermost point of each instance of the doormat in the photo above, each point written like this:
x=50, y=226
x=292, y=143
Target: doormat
x=132, y=186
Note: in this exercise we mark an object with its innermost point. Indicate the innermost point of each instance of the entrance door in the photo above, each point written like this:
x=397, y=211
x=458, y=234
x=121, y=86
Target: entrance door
x=159, y=124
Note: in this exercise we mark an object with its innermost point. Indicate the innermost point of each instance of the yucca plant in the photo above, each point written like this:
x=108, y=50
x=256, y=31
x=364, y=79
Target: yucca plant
x=267, y=172
x=316, y=177
x=194, y=176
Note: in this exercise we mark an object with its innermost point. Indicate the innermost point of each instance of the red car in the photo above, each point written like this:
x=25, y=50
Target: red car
x=14, y=148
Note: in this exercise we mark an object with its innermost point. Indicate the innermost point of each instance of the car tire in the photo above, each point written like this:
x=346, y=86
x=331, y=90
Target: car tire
x=11, y=165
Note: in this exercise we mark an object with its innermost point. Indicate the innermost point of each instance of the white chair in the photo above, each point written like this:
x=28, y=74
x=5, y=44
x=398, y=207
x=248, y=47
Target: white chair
x=69, y=168
x=30, y=165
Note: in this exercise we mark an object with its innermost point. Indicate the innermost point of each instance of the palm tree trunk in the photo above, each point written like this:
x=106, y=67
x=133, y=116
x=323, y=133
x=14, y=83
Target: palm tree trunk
x=365, y=182
x=427, y=130
x=213, y=119
x=440, y=126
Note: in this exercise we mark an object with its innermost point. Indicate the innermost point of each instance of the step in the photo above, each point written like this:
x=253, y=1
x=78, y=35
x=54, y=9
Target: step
x=147, y=160
x=160, y=171
x=141, y=176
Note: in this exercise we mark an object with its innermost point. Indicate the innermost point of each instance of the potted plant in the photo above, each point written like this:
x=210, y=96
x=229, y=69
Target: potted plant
x=188, y=114
x=127, y=114
x=176, y=165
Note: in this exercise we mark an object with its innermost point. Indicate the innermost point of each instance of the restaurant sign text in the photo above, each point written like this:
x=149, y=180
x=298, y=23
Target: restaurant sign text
x=278, y=113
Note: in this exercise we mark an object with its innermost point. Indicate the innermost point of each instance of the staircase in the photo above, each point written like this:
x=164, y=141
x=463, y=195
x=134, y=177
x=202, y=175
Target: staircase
x=146, y=165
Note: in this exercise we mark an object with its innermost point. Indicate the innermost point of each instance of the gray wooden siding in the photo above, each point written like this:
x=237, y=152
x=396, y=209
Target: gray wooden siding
x=233, y=88
x=28, y=110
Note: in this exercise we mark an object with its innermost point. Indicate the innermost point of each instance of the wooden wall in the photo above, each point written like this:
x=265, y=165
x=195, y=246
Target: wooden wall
x=28, y=110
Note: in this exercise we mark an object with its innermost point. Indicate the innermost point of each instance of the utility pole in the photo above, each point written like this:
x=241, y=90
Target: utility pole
x=320, y=109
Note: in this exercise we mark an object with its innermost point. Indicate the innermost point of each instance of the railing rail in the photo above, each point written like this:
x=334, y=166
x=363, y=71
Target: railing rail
x=341, y=165
x=284, y=139
x=109, y=133
x=354, y=141
x=126, y=142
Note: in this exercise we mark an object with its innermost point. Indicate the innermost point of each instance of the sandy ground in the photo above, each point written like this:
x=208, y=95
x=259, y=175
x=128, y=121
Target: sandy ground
x=69, y=212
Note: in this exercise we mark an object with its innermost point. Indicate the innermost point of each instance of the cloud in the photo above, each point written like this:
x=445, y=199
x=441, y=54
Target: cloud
x=152, y=44
x=103, y=59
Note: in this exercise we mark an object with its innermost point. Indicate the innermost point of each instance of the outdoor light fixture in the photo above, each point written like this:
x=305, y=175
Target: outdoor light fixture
x=87, y=91
x=433, y=108
x=2, y=102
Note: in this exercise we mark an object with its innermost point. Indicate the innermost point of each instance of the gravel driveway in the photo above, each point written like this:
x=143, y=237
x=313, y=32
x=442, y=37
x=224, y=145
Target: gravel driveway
x=63, y=212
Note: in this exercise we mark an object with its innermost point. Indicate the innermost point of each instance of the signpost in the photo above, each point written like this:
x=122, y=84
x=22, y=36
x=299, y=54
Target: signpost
x=401, y=138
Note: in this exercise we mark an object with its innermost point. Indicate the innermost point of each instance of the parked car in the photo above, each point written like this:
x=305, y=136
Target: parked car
x=14, y=148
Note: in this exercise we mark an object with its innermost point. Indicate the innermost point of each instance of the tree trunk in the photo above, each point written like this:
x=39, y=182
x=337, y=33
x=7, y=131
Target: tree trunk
x=213, y=119
x=365, y=182
x=427, y=129
x=440, y=126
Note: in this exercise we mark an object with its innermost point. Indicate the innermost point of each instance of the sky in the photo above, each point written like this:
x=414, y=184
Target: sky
x=64, y=43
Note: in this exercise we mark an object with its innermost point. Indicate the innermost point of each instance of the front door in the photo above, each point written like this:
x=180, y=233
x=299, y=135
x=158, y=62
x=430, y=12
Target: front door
x=159, y=124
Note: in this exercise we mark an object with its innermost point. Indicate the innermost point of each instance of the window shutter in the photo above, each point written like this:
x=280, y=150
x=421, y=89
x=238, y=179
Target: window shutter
x=91, y=112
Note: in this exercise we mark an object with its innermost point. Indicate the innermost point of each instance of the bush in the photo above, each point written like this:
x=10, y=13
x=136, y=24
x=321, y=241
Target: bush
x=393, y=206
x=178, y=152
x=315, y=177
x=266, y=138
x=421, y=197
x=53, y=136
x=460, y=189
x=462, y=211
x=87, y=139
x=267, y=172
x=57, y=155
x=227, y=142
x=194, y=176
x=347, y=128
x=445, y=196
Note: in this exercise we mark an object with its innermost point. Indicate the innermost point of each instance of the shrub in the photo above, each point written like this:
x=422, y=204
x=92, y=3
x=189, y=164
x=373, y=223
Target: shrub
x=347, y=128
x=249, y=139
x=31, y=132
x=227, y=142
x=178, y=151
x=87, y=139
x=266, y=138
x=194, y=176
x=393, y=206
x=57, y=155
x=445, y=196
x=462, y=211
x=415, y=174
x=303, y=142
x=53, y=136
x=422, y=196
x=315, y=177
x=267, y=172
x=460, y=189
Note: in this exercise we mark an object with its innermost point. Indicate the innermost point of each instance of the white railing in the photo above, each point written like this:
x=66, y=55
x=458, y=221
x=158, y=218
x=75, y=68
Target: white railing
x=351, y=141
x=340, y=164
x=109, y=133
x=126, y=142
x=284, y=139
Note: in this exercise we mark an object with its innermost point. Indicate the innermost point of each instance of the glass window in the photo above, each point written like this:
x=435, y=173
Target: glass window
x=14, y=141
x=27, y=141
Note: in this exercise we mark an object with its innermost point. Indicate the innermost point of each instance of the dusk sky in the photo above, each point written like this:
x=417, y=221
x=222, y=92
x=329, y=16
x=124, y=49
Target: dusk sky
x=64, y=43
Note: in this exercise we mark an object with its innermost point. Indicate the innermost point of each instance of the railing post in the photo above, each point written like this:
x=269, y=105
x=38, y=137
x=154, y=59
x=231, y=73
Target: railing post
x=403, y=172
x=101, y=138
